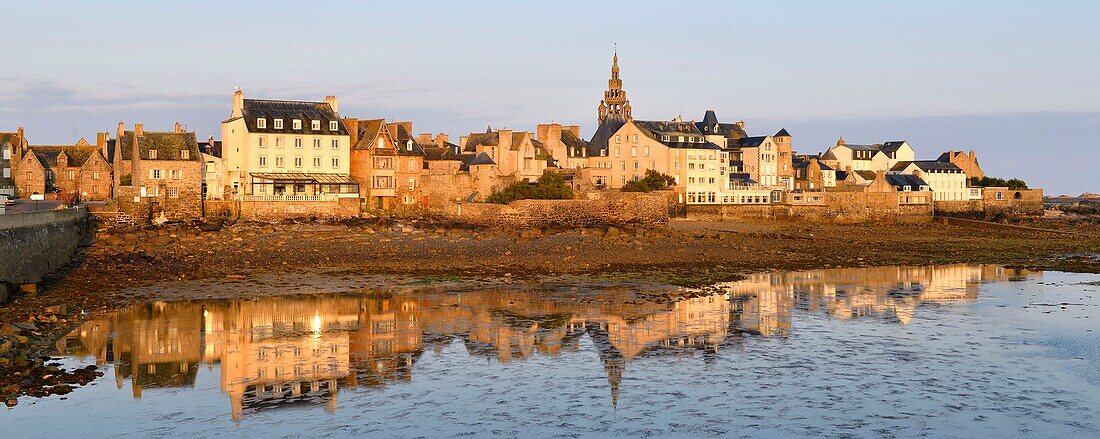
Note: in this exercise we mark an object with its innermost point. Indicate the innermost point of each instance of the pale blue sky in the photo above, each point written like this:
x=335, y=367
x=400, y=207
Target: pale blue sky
x=1015, y=80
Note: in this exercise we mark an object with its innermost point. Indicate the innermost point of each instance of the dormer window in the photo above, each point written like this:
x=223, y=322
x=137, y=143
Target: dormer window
x=334, y=125
x=381, y=144
x=261, y=122
x=409, y=145
x=315, y=125
x=152, y=154
x=297, y=124
x=278, y=124
x=185, y=154
x=665, y=138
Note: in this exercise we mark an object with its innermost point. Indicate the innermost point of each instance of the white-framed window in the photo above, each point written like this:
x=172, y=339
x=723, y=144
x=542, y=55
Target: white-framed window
x=333, y=125
x=263, y=142
x=263, y=161
x=297, y=142
x=617, y=151
x=409, y=145
x=173, y=192
x=72, y=175
x=298, y=162
x=278, y=142
x=185, y=154
x=316, y=162
x=335, y=143
x=317, y=143
x=315, y=125
x=278, y=161
x=296, y=123
x=635, y=138
x=278, y=124
x=335, y=162
x=665, y=138
x=618, y=138
x=152, y=154
x=261, y=122
x=154, y=174
x=95, y=176
x=412, y=183
x=407, y=199
x=645, y=150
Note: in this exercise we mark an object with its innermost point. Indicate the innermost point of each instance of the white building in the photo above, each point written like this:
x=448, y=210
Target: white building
x=947, y=181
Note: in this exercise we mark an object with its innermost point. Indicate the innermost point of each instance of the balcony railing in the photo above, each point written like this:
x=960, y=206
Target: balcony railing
x=276, y=198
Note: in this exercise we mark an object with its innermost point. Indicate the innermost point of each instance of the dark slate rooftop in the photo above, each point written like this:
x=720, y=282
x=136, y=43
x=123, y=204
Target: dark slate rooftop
x=892, y=146
x=657, y=129
x=288, y=111
x=902, y=180
x=167, y=144
x=474, y=160
x=404, y=139
x=710, y=126
x=928, y=166
x=782, y=133
x=867, y=175
x=213, y=148
x=603, y=134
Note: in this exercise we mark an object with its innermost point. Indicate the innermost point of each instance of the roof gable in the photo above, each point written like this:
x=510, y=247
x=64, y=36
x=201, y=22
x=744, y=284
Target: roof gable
x=288, y=111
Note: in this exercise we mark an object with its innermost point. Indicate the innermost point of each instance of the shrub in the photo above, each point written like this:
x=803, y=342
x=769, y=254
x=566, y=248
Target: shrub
x=1015, y=183
x=653, y=181
x=550, y=186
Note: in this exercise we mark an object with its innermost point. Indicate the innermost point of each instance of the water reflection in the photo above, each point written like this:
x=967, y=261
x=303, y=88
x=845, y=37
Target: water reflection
x=282, y=351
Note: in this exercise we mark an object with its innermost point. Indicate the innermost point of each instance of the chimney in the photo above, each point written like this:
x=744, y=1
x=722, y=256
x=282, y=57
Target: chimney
x=238, y=104
x=840, y=141
x=100, y=140
x=121, y=129
x=462, y=141
x=505, y=139
x=135, y=156
x=575, y=129
x=179, y=128
x=424, y=138
x=972, y=154
x=392, y=129
x=139, y=130
x=331, y=101
x=441, y=139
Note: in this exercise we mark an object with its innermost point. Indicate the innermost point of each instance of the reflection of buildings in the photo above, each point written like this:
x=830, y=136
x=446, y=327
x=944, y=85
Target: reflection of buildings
x=280, y=351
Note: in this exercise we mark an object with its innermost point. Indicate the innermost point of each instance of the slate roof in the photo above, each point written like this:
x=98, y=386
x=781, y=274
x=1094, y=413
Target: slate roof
x=77, y=155
x=710, y=121
x=167, y=144
x=305, y=111
x=928, y=166
x=486, y=139
x=841, y=175
x=748, y=142
x=892, y=146
x=448, y=152
x=572, y=143
x=782, y=133
x=369, y=130
x=474, y=159
x=901, y=180
x=867, y=175
x=403, y=138
x=602, y=136
x=213, y=148
x=656, y=129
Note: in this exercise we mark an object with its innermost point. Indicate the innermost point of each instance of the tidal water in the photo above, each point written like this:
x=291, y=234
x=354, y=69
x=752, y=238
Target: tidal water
x=951, y=351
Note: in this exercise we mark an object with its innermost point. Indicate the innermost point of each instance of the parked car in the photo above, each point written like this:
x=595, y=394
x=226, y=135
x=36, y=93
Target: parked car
x=7, y=200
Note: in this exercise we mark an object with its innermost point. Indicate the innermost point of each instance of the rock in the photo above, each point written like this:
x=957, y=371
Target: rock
x=25, y=326
x=11, y=402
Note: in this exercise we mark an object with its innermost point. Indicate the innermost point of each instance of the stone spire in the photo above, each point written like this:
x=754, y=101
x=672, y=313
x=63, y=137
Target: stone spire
x=614, y=101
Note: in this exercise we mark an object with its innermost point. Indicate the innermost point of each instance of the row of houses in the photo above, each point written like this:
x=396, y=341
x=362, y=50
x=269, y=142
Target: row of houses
x=292, y=151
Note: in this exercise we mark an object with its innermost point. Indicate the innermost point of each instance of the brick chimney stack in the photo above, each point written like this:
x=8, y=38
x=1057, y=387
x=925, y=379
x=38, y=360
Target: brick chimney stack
x=424, y=138
x=135, y=155
x=441, y=139
x=238, y=104
x=505, y=140
x=139, y=130
x=331, y=101
x=179, y=128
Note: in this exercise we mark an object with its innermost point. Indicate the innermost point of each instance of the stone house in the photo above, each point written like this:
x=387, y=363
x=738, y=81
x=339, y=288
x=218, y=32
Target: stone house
x=758, y=157
x=876, y=157
x=213, y=169
x=516, y=154
x=279, y=150
x=564, y=144
x=373, y=162
x=12, y=145
x=158, y=174
x=73, y=172
x=812, y=175
x=409, y=163
x=968, y=162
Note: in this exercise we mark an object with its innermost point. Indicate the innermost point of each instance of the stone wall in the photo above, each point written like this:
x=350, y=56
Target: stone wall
x=595, y=210
x=1011, y=203
x=36, y=243
x=342, y=208
x=838, y=207
x=186, y=204
x=441, y=192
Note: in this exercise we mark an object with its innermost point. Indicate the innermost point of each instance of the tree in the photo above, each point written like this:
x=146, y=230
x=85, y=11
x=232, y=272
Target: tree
x=1014, y=184
x=550, y=186
x=653, y=181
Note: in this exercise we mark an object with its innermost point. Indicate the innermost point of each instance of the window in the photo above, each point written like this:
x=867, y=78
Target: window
x=616, y=151
x=622, y=166
x=645, y=150
x=298, y=162
x=335, y=162
x=333, y=126
x=72, y=175
x=152, y=154
x=636, y=138
x=664, y=138
x=412, y=183
x=297, y=142
x=622, y=179
x=635, y=166
x=633, y=151
x=618, y=138
x=263, y=142
x=263, y=161
x=315, y=125
x=185, y=154
x=317, y=143
x=297, y=124
x=174, y=174
x=261, y=122
x=95, y=176
x=335, y=143
x=278, y=161
x=278, y=142
x=676, y=165
x=316, y=162
x=173, y=192
x=95, y=189
x=278, y=124
x=154, y=174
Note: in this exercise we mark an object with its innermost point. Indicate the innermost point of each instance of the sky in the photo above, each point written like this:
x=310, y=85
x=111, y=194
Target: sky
x=1016, y=81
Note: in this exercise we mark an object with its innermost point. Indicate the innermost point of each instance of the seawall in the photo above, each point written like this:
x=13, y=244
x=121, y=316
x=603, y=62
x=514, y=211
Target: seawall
x=36, y=243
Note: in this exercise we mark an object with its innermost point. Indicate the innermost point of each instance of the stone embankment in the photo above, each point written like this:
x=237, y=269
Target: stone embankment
x=36, y=243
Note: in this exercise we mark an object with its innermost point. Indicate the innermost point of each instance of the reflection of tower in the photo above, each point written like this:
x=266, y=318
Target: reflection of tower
x=612, y=359
x=614, y=101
